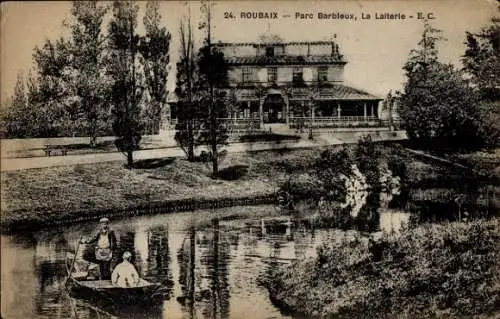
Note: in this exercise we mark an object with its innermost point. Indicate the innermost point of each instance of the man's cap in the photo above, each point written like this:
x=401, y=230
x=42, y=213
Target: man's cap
x=104, y=220
x=126, y=255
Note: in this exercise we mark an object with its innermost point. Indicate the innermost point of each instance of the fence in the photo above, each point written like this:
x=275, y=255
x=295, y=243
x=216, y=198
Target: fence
x=252, y=124
x=342, y=121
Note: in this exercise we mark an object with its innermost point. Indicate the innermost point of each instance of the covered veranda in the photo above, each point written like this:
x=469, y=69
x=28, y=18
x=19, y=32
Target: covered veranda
x=337, y=106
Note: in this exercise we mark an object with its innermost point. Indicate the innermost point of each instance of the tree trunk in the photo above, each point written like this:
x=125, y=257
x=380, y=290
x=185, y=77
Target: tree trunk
x=192, y=261
x=190, y=153
x=215, y=265
x=190, y=142
x=130, y=159
x=213, y=137
x=215, y=160
x=93, y=141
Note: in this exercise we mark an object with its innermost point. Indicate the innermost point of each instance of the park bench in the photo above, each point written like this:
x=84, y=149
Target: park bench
x=55, y=149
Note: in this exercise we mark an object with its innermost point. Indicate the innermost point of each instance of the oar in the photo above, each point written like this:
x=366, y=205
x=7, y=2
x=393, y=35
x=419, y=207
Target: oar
x=72, y=263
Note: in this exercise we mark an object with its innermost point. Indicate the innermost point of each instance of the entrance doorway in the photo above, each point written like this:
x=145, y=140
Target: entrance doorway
x=274, y=109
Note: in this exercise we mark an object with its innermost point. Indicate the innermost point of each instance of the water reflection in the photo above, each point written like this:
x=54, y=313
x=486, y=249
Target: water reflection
x=208, y=262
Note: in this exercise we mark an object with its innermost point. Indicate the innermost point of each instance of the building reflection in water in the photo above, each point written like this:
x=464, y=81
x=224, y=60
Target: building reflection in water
x=186, y=259
x=204, y=267
x=126, y=242
x=51, y=273
x=141, y=249
x=392, y=220
x=159, y=257
x=368, y=218
x=20, y=287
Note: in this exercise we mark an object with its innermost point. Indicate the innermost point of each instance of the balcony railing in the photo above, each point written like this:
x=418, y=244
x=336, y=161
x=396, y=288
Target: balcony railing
x=342, y=121
x=253, y=124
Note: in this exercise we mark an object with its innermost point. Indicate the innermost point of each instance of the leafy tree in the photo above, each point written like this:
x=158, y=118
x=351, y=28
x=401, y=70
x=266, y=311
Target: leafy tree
x=213, y=71
x=51, y=94
x=65, y=96
x=17, y=119
x=154, y=48
x=481, y=61
x=127, y=89
x=482, y=58
x=88, y=50
x=328, y=169
x=437, y=106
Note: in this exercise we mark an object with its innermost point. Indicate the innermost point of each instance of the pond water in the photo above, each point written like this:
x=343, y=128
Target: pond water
x=217, y=255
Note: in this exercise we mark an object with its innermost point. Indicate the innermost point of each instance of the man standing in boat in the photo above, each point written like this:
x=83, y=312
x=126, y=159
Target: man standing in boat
x=105, y=244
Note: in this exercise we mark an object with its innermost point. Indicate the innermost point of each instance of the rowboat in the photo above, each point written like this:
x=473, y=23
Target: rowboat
x=143, y=294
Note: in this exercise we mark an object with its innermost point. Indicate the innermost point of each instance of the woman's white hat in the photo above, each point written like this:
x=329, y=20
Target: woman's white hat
x=126, y=255
x=104, y=220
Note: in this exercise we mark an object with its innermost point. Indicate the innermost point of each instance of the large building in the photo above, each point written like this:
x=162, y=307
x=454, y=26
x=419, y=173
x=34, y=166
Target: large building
x=295, y=83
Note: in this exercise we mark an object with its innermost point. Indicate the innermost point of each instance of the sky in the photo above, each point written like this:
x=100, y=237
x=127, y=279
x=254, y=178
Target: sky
x=375, y=49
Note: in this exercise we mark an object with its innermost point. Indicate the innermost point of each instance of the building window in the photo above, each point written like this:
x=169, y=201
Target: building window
x=298, y=75
x=247, y=75
x=270, y=51
x=272, y=75
x=323, y=74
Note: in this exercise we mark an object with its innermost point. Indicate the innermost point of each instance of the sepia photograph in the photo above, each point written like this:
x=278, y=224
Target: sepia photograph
x=250, y=159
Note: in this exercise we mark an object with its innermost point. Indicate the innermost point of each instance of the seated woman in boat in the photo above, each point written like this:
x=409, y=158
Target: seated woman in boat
x=125, y=275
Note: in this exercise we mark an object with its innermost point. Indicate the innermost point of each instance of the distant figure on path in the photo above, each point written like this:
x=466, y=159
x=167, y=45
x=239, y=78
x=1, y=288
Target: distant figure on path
x=125, y=275
x=105, y=241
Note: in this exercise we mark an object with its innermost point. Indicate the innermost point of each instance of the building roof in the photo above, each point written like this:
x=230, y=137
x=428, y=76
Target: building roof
x=285, y=60
x=333, y=92
x=344, y=92
x=260, y=44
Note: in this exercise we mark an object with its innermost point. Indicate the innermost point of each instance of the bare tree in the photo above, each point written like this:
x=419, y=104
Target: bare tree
x=186, y=78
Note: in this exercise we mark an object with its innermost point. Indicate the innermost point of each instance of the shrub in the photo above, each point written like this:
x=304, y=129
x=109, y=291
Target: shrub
x=429, y=271
x=298, y=188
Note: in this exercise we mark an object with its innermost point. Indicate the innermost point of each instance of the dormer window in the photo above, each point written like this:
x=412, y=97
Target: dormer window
x=269, y=51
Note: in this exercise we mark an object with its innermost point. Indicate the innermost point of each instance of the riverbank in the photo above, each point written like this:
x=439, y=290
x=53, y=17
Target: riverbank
x=68, y=193
x=445, y=270
x=39, y=196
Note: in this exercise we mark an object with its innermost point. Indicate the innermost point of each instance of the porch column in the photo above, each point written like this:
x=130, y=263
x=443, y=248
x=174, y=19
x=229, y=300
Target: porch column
x=311, y=103
x=372, y=114
x=364, y=110
x=312, y=111
x=261, y=115
x=287, y=110
x=338, y=110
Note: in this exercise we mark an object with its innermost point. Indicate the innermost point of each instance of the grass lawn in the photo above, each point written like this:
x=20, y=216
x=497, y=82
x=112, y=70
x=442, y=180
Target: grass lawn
x=42, y=193
x=39, y=194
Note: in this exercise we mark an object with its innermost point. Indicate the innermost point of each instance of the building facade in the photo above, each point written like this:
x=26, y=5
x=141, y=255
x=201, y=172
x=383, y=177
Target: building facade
x=296, y=84
x=291, y=84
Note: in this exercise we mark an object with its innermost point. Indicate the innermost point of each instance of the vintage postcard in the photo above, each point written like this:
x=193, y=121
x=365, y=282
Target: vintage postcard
x=250, y=159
